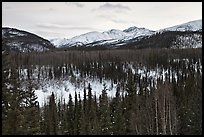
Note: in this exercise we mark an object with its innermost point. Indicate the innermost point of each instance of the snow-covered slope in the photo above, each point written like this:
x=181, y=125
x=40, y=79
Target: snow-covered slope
x=189, y=26
x=58, y=41
x=116, y=37
x=137, y=32
x=87, y=38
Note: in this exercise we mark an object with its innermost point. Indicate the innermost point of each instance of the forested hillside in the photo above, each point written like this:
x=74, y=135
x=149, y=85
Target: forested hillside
x=23, y=41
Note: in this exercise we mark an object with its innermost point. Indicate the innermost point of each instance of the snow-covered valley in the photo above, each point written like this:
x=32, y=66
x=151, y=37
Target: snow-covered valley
x=69, y=84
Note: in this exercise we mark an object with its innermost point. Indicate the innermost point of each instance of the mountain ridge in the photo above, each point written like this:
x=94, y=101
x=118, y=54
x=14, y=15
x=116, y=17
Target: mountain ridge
x=24, y=41
x=188, y=26
x=123, y=35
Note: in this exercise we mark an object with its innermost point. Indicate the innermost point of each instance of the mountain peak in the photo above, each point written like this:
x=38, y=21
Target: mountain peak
x=130, y=29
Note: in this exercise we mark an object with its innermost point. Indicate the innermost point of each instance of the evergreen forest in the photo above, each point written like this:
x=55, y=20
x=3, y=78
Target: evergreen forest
x=168, y=104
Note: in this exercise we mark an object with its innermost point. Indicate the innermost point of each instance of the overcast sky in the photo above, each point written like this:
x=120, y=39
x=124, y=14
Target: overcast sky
x=68, y=19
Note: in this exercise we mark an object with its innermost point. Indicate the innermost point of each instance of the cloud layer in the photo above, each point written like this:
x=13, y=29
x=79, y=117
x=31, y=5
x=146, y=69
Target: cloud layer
x=112, y=7
x=77, y=4
x=57, y=26
x=108, y=6
x=69, y=19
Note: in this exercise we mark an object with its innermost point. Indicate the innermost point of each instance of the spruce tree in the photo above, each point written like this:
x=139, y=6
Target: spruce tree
x=80, y=117
x=70, y=116
x=104, y=113
x=83, y=116
x=31, y=112
x=53, y=115
x=117, y=119
x=89, y=110
x=130, y=103
x=76, y=115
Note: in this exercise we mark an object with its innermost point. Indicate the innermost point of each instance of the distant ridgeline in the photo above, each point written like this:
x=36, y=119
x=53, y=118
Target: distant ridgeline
x=187, y=35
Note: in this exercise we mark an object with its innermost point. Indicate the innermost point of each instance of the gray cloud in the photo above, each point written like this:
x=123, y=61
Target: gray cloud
x=75, y=4
x=42, y=32
x=57, y=26
x=115, y=19
x=51, y=9
x=120, y=21
x=108, y=6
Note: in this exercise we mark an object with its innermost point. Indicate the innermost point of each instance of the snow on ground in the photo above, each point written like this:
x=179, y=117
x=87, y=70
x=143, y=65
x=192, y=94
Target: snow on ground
x=188, y=41
x=62, y=87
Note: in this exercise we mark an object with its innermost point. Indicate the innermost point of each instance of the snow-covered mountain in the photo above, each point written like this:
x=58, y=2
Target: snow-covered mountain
x=117, y=38
x=189, y=26
x=107, y=37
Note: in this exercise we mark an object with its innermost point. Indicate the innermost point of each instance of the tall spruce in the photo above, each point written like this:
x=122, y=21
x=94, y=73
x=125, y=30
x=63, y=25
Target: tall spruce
x=31, y=112
x=104, y=113
x=53, y=116
x=117, y=119
x=70, y=116
x=76, y=115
